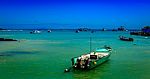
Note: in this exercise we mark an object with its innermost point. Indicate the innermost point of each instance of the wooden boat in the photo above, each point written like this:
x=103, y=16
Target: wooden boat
x=126, y=38
x=91, y=60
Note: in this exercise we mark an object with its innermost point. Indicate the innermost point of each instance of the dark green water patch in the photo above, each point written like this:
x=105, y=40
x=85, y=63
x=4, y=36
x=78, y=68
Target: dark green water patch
x=12, y=53
x=3, y=54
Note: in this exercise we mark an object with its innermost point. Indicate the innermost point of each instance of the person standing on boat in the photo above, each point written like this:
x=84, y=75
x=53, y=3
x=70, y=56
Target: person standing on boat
x=78, y=63
x=86, y=63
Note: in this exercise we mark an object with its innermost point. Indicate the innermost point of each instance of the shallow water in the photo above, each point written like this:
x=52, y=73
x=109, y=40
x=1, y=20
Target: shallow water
x=46, y=55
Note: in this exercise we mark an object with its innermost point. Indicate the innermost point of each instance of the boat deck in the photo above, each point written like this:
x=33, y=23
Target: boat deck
x=93, y=55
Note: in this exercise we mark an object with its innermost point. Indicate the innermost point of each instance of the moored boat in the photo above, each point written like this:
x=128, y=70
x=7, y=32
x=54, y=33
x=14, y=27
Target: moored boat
x=145, y=31
x=126, y=38
x=77, y=31
x=35, y=32
x=92, y=59
x=49, y=31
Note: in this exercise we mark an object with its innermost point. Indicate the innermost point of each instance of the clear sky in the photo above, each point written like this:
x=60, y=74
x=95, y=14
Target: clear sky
x=74, y=13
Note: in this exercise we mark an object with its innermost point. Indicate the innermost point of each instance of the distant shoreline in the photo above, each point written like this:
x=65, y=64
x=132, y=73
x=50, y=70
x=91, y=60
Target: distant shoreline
x=66, y=29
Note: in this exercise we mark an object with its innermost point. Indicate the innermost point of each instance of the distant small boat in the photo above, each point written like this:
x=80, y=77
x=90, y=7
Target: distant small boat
x=105, y=49
x=104, y=29
x=84, y=29
x=49, y=31
x=126, y=38
x=77, y=31
x=3, y=39
x=35, y=32
x=122, y=28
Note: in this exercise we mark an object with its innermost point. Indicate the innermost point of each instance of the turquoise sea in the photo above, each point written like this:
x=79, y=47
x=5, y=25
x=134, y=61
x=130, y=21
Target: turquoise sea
x=46, y=55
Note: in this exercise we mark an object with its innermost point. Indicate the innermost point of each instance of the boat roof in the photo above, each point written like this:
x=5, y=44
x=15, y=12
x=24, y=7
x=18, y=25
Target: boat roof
x=101, y=50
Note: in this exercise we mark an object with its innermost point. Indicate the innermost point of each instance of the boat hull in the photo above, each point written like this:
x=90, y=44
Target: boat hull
x=125, y=38
x=92, y=63
x=96, y=63
x=128, y=39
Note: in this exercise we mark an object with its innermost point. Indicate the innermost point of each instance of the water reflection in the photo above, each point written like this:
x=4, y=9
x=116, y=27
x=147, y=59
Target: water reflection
x=94, y=73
